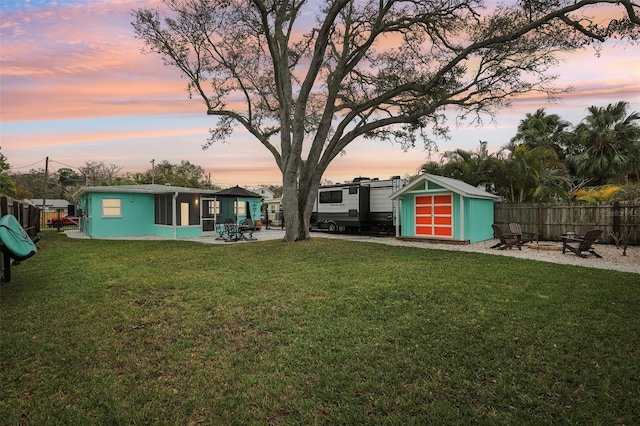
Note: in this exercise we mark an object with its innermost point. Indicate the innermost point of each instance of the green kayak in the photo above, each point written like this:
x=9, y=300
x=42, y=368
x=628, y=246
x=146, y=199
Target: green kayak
x=14, y=238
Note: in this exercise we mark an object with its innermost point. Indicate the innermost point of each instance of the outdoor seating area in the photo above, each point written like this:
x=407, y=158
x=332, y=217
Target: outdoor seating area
x=579, y=245
x=579, y=242
x=231, y=232
x=507, y=240
x=525, y=237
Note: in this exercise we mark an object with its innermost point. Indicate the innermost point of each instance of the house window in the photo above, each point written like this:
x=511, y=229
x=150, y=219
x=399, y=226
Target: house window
x=111, y=207
x=163, y=210
x=240, y=208
x=213, y=207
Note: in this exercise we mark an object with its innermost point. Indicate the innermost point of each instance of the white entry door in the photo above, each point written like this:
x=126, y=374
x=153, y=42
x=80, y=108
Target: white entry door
x=184, y=214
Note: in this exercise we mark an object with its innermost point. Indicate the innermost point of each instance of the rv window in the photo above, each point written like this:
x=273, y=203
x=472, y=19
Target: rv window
x=353, y=190
x=331, y=196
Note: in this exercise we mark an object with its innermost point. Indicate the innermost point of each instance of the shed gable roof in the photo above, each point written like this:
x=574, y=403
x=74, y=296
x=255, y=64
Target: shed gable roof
x=451, y=184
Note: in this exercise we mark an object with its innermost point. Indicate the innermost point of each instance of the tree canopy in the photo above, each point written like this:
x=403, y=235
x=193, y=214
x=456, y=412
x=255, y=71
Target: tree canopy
x=7, y=185
x=305, y=78
x=183, y=174
x=64, y=182
x=609, y=144
x=549, y=158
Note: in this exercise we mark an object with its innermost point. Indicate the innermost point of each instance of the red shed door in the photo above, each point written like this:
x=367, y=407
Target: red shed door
x=434, y=215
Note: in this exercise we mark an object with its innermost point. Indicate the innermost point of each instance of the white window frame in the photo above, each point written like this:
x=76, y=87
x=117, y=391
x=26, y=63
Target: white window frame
x=214, y=207
x=240, y=208
x=112, y=207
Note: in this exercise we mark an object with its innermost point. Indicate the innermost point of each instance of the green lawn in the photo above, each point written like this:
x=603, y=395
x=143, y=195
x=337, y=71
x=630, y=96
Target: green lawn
x=320, y=332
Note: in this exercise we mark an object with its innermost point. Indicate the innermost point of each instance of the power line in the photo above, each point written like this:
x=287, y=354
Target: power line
x=66, y=165
x=29, y=165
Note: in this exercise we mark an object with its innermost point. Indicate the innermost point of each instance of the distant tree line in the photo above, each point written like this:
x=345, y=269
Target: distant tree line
x=549, y=159
x=64, y=182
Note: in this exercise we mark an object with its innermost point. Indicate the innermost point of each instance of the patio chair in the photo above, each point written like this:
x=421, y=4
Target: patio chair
x=582, y=230
x=581, y=245
x=525, y=237
x=579, y=232
x=246, y=227
x=507, y=241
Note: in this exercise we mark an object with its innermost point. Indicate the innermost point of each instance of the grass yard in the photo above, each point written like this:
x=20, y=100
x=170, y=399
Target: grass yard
x=321, y=332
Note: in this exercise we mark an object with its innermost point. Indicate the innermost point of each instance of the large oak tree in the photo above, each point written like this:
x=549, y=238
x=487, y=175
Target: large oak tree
x=306, y=78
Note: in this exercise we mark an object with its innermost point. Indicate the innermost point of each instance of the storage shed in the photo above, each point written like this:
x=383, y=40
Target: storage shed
x=446, y=209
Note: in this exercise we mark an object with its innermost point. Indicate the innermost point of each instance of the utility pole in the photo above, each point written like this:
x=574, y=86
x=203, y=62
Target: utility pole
x=44, y=191
x=153, y=174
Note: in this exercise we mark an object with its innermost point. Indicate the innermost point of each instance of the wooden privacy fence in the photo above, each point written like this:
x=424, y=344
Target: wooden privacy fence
x=27, y=215
x=550, y=221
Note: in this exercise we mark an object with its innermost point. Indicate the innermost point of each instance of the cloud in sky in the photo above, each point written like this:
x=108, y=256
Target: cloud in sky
x=75, y=87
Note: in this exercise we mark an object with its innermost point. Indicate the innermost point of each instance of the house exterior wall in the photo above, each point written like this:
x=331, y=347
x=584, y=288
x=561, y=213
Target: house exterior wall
x=166, y=231
x=136, y=217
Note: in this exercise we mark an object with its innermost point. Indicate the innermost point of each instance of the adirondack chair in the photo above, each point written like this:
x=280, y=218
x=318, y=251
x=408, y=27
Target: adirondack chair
x=507, y=241
x=582, y=230
x=581, y=245
x=525, y=237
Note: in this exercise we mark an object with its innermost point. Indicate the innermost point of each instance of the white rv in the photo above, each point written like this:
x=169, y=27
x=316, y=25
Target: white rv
x=361, y=205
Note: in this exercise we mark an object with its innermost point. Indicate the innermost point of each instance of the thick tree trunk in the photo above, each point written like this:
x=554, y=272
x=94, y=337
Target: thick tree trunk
x=290, y=205
x=298, y=200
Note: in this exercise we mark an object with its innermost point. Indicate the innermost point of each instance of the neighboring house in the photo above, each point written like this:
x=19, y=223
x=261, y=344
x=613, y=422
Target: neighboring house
x=264, y=192
x=274, y=211
x=162, y=210
x=53, y=208
x=50, y=206
x=436, y=207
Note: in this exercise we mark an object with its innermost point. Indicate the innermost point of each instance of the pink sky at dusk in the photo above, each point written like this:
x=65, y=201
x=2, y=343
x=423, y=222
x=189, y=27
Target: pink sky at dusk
x=75, y=87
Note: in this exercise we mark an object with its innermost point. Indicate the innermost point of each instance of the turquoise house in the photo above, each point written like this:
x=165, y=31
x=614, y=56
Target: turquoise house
x=158, y=210
x=445, y=209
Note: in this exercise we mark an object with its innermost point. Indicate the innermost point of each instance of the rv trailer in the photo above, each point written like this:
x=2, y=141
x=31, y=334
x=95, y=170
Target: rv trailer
x=361, y=205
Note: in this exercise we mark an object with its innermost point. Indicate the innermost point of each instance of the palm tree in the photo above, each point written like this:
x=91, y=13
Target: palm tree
x=431, y=167
x=473, y=167
x=609, y=142
x=540, y=129
x=531, y=174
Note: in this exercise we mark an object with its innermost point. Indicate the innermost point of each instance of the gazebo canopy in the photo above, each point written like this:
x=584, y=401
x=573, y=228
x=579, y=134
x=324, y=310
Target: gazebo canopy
x=236, y=191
